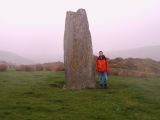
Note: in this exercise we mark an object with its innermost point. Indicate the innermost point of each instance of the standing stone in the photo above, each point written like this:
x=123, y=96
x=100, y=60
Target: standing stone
x=78, y=53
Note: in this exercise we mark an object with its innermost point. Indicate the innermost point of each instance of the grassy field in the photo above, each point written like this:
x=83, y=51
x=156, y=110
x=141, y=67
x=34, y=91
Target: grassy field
x=39, y=96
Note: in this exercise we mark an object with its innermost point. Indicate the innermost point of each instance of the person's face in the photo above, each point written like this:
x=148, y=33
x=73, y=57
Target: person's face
x=101, y=54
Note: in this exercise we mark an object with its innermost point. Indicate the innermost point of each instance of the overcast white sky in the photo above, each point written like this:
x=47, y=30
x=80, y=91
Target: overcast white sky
x=37, y=26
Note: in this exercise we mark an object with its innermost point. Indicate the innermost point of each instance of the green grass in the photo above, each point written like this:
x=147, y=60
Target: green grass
x=39, y=96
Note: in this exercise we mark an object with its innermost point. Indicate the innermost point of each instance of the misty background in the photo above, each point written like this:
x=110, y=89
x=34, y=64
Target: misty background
x=34, y=29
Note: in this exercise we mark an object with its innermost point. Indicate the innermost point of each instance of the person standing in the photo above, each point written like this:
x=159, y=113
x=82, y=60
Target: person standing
x=102, y=69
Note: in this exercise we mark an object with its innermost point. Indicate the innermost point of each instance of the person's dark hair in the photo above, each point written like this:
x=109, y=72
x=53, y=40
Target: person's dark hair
x=100, y=51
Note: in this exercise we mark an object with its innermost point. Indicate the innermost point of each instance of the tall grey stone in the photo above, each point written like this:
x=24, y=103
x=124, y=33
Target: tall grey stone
x=78, y=53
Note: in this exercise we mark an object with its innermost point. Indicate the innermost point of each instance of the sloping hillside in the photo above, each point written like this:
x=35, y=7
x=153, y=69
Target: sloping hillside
x=144, y=52
x=14, y=58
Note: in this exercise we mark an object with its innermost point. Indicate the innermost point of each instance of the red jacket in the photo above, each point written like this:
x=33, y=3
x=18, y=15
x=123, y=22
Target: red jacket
x=102, y=64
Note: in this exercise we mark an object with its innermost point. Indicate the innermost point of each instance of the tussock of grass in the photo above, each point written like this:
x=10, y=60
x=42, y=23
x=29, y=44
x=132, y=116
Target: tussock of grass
x=39, y=96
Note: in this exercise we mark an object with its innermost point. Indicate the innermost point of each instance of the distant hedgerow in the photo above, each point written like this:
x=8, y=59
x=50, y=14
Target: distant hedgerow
x=128, y=73
x=55, y=68
x=3, y=67
x=24, y=68
x=39, y=67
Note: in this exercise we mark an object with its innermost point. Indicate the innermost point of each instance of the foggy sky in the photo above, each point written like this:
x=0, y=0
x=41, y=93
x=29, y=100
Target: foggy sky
x=36, y=27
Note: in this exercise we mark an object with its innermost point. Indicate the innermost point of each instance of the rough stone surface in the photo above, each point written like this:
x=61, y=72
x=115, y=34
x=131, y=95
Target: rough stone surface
x=78, y=53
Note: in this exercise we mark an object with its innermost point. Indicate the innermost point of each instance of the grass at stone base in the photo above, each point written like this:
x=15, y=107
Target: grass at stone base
x=39, y=96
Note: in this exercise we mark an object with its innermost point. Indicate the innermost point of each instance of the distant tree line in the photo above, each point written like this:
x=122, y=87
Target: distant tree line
x=130, y=67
